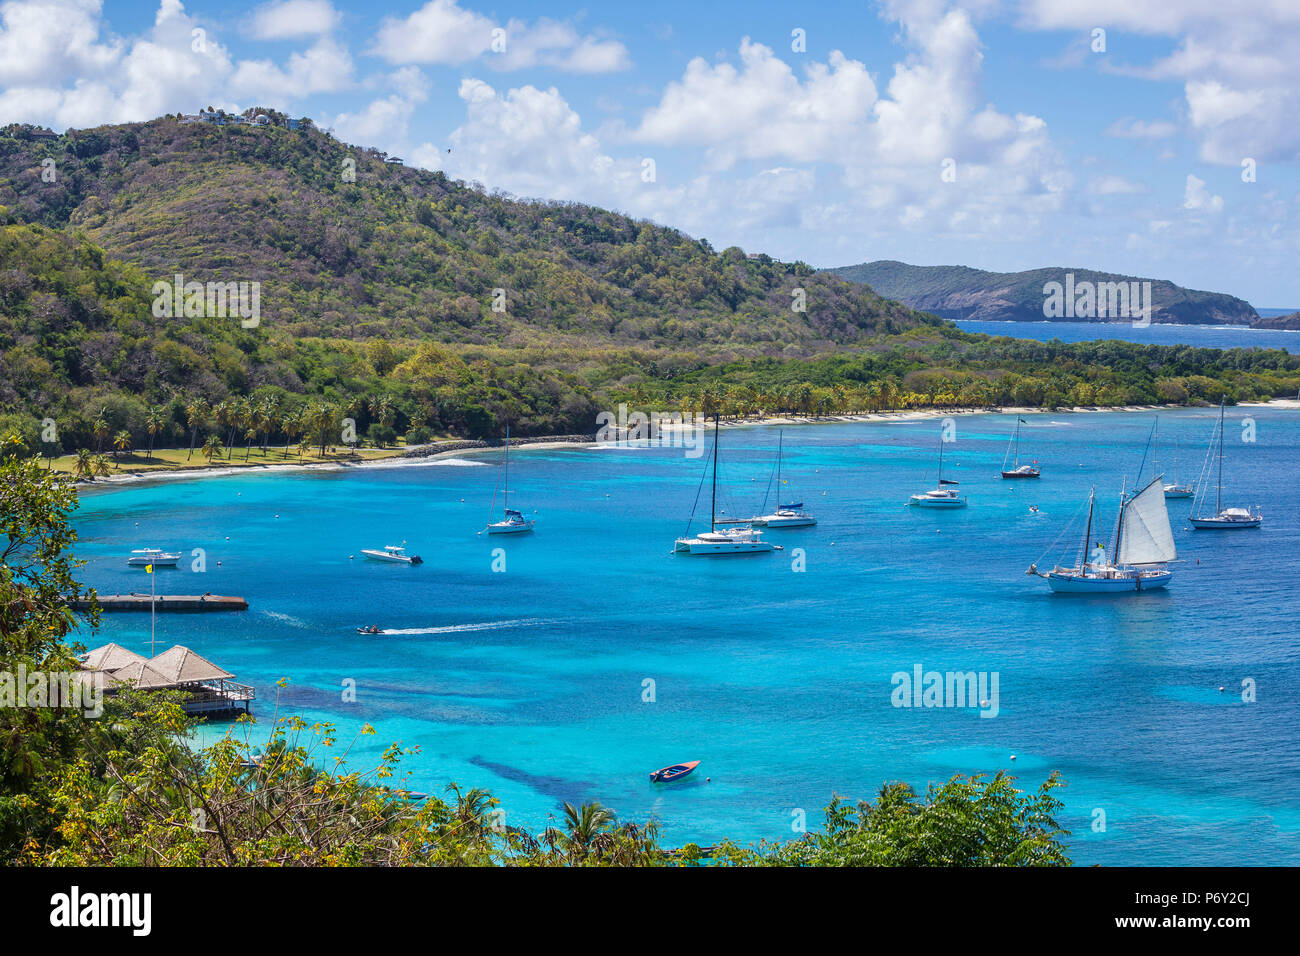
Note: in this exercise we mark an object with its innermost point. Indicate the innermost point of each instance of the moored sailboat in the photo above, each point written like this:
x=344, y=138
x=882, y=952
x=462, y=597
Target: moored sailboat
x=789, y=515
x=1222, y=518
x=512, y=520
x=1017, y=470
x=1143, y=546
x=728, y=540
x=942, y=496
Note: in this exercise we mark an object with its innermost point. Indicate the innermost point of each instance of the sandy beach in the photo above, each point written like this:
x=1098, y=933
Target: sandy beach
x=460, y=456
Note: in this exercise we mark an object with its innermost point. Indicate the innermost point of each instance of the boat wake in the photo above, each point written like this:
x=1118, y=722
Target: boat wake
x=463, y=628
x=287, y=619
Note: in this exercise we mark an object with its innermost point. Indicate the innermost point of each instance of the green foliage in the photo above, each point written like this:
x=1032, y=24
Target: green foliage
x=965, y=822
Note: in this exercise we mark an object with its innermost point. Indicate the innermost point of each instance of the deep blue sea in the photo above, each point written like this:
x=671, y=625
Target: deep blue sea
x=532, y=680
x=1205, y=336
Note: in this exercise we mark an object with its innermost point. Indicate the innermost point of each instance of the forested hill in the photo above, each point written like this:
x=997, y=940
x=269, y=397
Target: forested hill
x=959, y=292
x=403, y=252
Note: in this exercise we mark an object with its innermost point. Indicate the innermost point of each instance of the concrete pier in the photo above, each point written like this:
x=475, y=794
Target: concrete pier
x=163, y=602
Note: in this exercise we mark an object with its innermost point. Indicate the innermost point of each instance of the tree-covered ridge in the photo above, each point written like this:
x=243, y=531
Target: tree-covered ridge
x=79, y=346
x=960, y=292
x=401, y=251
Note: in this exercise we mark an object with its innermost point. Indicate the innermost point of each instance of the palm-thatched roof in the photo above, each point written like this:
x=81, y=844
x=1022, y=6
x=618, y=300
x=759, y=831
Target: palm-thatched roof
x=181, y=665
x=110, y=657
x=142, y=676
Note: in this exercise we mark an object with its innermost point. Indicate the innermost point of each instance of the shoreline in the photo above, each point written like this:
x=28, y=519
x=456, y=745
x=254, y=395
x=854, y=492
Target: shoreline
x=418, y=457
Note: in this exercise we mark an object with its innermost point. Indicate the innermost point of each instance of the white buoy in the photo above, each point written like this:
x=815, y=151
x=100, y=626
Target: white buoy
x=1220, y=690
x=1013, y=756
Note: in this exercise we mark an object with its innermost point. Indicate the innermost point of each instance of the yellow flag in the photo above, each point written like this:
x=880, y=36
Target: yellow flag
x=148, y=569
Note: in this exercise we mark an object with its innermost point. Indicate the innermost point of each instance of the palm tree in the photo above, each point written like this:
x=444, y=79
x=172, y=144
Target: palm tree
x=101, y=467
x=100, y=429
x=121, y=442
x=84, y=466
x=153, y=423
x=250, y=433
x=473, y=809
x=195, y=412
x=211, y=448
x=584, y=825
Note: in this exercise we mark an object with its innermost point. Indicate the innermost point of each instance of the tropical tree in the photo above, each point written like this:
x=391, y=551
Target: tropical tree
x=196, y=412
x=212, y=448
x=101, y=466
x=154, y=423
x=84, y=465
x=121, y=442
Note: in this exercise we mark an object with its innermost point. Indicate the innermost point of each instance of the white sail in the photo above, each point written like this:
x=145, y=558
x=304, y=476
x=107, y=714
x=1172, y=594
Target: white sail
x=1146, y=537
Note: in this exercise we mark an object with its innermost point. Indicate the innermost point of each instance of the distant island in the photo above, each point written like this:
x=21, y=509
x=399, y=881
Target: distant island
x=960, y=292
x=1291, y=321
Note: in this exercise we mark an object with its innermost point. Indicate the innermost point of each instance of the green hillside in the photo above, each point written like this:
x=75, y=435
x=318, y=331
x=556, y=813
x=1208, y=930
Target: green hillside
x=401, y=251
x=959, y=292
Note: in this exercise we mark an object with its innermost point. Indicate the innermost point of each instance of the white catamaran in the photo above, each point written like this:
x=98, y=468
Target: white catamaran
x=728, y=540
x=1142, y=547
x=942, y=496
x=512, y=522
x=141, y=557
x=789, y=515
x=1222, y=518
x=1017, y=470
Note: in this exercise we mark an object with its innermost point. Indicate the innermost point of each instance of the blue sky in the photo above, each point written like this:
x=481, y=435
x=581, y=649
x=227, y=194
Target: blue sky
x=997, y=134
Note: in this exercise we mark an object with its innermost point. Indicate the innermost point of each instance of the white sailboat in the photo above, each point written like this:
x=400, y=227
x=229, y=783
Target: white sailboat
x=512, y=521
x=741, y=539
x=1222, y=518
x=1175, y=489
x=789, y=515
x=1143, y=545
x=1017, y=470
x=942, y=496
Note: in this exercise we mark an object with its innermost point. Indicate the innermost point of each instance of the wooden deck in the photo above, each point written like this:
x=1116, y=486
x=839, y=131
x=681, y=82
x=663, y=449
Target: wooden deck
x=163, y=602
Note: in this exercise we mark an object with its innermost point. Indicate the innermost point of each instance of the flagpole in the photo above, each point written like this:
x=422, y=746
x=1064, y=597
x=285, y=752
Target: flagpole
x=153, y=602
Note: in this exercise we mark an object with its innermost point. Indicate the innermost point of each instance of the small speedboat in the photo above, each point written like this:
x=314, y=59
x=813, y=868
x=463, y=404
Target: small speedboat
x=675, y=772
x=394, y=553
x=159, y=559
x=370, y=629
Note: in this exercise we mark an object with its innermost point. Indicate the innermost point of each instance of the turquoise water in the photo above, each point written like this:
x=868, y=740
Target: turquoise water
x=1202, y=336
x=530, y=681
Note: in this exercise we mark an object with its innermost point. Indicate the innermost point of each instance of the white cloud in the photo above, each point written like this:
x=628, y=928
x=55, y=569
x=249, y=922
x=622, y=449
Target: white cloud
x=324, y=68
x=443, y=32
x=1197, y=197
x=44, y=40
x=293, y=19
x=762, y=109
x=1239, y=64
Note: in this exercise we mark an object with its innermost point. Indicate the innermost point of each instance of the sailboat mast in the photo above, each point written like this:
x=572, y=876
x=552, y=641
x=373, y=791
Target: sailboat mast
x=940, y=485
x=1087, y=531
x=713, y=507
x=505, y=473
x=780, y=445
x=1017, y=465
x=1218, y=494
x=1119, y=527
